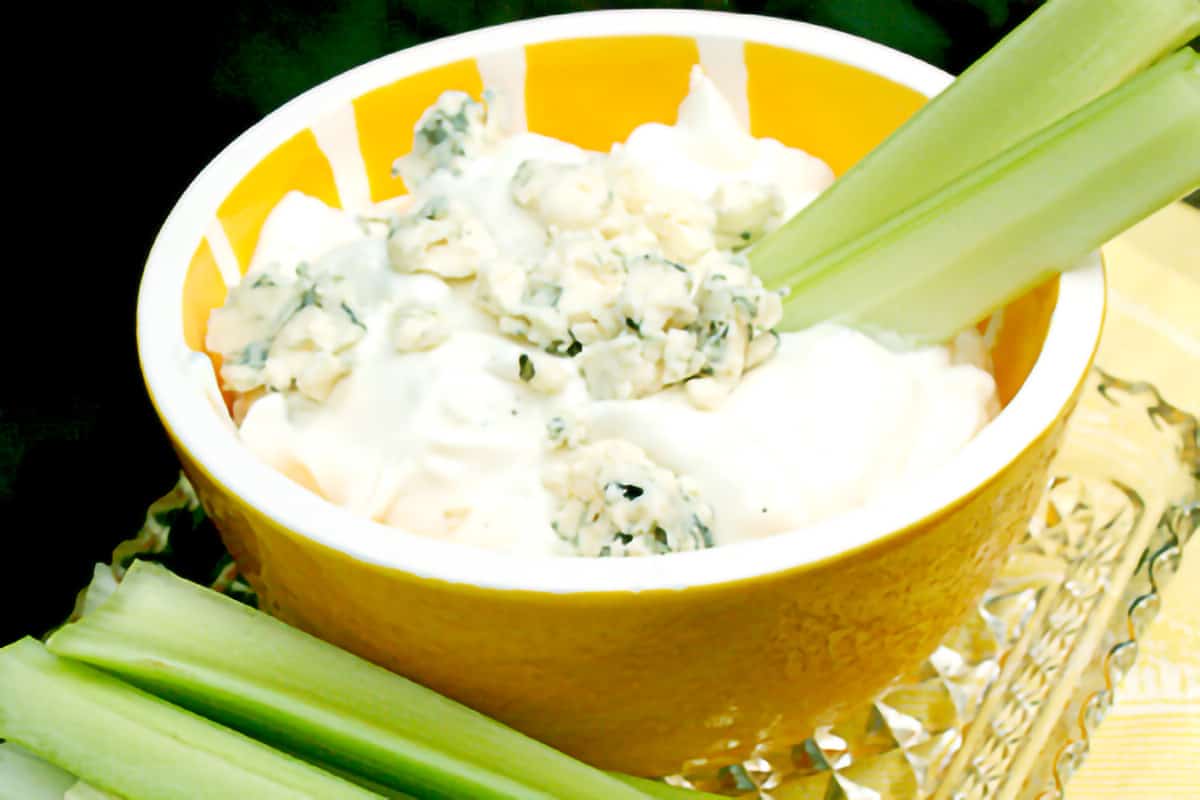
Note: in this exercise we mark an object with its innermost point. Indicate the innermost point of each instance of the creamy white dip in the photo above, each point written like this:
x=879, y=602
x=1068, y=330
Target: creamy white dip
x=550, y=350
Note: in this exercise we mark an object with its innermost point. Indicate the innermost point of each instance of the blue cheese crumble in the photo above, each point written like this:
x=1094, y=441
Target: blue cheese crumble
x=286, y=329
x=614, y=501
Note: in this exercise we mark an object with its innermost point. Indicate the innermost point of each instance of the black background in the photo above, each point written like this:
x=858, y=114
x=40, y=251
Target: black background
x=115, y=110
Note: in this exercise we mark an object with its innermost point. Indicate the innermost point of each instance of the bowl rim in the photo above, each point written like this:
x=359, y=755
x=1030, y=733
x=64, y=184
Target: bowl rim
x=173, y=373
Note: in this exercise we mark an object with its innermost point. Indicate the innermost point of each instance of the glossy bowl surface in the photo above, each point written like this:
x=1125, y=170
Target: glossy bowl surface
x=632, y=664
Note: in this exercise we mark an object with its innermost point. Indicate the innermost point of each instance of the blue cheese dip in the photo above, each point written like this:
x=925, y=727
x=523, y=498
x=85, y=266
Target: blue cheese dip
x=548, y=350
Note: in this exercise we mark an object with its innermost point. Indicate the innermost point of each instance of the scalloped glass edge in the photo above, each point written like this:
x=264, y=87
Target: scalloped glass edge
x=1006, y=706
x=1147, y=453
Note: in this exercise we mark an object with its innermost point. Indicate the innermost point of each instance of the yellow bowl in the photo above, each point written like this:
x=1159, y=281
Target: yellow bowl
x=632, y=664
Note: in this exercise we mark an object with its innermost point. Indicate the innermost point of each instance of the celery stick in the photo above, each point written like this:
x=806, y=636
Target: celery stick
x=24, y=776
x=85, y=791
x=255, y=673
x=366, y=783
x=664, y=791
x=1004, y=227
x=124, y=741
x=1066, y=54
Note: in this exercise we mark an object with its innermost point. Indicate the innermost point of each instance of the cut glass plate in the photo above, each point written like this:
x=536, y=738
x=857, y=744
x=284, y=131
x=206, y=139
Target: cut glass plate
x=1006, y=705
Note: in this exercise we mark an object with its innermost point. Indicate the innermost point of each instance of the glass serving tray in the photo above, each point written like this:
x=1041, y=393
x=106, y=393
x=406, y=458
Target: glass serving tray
x=1006, y=705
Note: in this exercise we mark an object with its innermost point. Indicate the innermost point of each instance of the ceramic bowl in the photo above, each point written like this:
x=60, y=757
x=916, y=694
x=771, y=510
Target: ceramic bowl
x=630, y=664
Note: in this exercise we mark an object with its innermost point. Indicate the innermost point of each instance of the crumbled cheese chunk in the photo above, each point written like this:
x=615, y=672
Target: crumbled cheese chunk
x=614, y=501
x=416, y=328
x=745, y=212
x=442, y=237
x=563, y=195
x=644, y=297
x=450, y=133
x=566, y=430
x=284, y=328
x=564, y=297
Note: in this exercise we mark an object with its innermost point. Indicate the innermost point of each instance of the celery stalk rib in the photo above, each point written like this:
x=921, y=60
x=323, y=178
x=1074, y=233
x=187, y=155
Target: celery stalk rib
x=85, y=791
x=124, y=741
x=257, y=674
x=1037, y=208
x=664, y=791
x=24, y=776
x=1066, y=54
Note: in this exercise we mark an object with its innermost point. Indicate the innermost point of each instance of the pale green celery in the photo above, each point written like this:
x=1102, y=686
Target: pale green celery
x=102, y=585
x=276, y=683
x=664, y=791
x=366, y=783
x=85, y=791
x=24, y=776
x=1066, y=54
x=1003, y=228
x=121, y=740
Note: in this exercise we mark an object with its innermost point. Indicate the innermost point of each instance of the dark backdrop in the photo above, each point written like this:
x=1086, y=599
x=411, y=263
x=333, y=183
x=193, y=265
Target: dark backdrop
x=116, y=111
